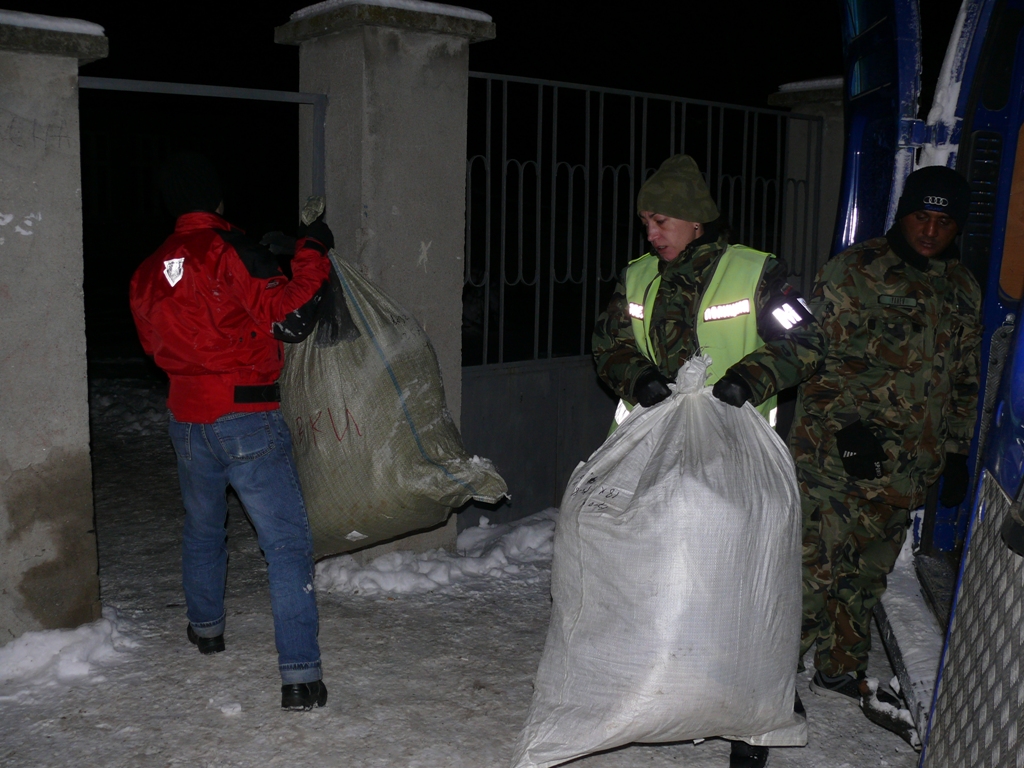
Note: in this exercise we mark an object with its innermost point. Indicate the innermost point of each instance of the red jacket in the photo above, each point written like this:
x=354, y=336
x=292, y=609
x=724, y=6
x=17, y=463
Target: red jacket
x=206, y=307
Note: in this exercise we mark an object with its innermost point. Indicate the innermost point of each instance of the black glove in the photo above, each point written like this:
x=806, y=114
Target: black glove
x=651, y=388
x=318, y=231
x=279, y=243
x=862, y=455
x=955, y=479
x=732, y=389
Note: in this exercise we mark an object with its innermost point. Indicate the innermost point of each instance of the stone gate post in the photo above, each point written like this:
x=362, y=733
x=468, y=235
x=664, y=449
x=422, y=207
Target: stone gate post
x=821, y=98
x=48, y=575
x=397, y=83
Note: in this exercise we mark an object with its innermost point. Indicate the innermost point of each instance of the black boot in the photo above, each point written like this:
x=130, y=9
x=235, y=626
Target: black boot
x=206, y=645
x=745, y=755
x=299, y=696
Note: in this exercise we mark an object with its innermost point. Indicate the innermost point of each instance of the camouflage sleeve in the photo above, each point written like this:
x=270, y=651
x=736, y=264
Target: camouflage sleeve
x=619, y=362
x=789, y=357
x=965, y=371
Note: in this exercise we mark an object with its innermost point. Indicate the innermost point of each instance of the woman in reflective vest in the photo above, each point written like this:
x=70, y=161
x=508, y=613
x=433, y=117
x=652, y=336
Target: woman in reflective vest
x=695, y=292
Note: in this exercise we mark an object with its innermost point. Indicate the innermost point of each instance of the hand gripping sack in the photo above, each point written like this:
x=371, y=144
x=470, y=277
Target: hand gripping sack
x=676, y=590
x=377, y=451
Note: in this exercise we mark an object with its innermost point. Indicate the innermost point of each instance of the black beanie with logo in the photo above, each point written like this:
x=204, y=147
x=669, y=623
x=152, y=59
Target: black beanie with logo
x=936, y=188
x=189, y=182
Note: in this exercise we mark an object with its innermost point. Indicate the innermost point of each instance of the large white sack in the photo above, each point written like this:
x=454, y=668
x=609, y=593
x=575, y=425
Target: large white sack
x=675, y=586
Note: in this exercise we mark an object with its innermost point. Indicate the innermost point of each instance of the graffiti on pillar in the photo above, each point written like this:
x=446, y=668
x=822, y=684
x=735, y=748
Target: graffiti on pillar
x=23, y=225
x=27, y=132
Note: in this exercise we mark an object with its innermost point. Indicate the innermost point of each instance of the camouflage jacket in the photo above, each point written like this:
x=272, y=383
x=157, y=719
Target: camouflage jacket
x=903, y=357
x=778, y=364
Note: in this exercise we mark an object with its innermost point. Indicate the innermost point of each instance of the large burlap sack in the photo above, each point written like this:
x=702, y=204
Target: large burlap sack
x=675, y=586
x=377, y=451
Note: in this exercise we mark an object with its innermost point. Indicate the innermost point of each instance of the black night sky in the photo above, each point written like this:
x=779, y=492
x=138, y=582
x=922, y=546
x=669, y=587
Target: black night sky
x=733, y=51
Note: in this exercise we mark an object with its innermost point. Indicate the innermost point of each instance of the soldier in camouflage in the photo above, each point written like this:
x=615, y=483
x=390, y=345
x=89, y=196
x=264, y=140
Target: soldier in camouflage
x=891, y=409
x=694, y=292
x=768, y=354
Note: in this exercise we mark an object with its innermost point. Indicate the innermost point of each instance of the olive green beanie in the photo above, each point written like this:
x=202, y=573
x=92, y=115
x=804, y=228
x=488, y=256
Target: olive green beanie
x=678, y=190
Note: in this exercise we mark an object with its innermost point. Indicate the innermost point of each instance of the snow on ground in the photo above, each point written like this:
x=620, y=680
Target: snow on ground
x=428, y=658
x=521, y=551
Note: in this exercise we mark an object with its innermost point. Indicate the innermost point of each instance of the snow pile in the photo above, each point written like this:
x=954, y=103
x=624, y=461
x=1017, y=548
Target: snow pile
x=406, y=5
x=486, y=551
x=947, y=91
x=61, y=656
x=51, y=23
x=917, y=632
x=124, y=408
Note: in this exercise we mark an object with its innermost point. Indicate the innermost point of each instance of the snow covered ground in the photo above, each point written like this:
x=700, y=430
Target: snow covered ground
x=428, y=658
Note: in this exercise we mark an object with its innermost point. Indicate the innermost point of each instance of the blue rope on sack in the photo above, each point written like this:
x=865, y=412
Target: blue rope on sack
x=394, y=379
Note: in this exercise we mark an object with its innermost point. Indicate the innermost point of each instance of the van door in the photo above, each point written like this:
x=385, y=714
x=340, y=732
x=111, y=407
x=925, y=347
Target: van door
x=882, y=61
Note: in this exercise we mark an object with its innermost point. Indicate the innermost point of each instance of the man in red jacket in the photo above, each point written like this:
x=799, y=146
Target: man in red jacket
x=212, y=307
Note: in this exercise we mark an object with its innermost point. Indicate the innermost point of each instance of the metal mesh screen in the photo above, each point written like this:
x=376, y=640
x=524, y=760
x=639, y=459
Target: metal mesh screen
x=978, y=714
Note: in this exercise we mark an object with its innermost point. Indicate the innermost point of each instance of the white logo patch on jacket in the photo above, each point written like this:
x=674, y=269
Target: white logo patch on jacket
x=173, y=270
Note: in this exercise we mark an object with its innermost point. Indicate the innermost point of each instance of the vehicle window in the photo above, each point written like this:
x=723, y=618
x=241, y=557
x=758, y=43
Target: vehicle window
x=1001, y=50
x=862, y=15
x=871, y=72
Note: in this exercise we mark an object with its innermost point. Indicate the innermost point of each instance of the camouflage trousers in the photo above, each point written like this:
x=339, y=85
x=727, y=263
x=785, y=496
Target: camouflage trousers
x=850, y=545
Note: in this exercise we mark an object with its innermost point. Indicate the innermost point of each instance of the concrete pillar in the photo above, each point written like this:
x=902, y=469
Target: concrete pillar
x=397, y=81
x=820, y=98
x=48, y=565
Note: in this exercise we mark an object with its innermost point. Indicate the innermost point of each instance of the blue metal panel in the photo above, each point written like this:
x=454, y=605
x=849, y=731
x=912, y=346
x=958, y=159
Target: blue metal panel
x=991, y=106
x=882, y=54
x=1004, y=457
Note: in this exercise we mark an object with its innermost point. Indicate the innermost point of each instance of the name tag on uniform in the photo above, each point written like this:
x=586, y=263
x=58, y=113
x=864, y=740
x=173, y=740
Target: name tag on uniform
x=897, y=301
x=726, y=311
x=636, y=310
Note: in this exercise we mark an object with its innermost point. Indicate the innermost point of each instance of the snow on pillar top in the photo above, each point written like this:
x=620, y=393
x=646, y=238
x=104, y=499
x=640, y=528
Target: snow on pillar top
x=807, y=91
x=333, y=16
x=52, y=35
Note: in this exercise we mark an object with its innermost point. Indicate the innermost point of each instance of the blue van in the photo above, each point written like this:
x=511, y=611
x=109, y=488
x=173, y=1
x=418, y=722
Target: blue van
x=970, y=560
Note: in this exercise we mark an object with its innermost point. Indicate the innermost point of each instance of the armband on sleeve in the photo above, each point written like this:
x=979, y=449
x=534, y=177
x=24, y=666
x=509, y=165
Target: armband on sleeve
x=783, y=314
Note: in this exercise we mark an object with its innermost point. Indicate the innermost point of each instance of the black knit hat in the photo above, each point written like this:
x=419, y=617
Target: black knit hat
x=936, y=188
x=189, y=182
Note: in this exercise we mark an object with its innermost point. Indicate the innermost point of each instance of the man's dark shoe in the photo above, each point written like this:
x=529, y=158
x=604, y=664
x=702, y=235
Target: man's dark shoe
x=206, y=645
x=845, y=685
x=299, y=696
x=745, y=755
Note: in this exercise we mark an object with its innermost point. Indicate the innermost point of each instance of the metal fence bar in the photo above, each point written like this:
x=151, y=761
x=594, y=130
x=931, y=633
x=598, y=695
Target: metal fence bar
x=584, y=228
x=779, y=165
x=317, y=100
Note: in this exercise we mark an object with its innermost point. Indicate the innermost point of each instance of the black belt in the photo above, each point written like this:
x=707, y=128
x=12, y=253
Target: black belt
x=259, y=393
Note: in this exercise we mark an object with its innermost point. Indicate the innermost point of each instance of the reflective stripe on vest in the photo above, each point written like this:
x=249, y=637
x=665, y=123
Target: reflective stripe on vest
x=726, y=317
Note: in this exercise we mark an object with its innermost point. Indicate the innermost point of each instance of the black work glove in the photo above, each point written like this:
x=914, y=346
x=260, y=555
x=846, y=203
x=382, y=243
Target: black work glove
x=955, y=479
x=651, y=388
x=319, y=231
x=732, y=389
x=862, y=455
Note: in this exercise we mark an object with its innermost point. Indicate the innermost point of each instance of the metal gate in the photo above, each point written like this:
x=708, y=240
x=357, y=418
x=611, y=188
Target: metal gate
x=551, y=181
x=552, y=175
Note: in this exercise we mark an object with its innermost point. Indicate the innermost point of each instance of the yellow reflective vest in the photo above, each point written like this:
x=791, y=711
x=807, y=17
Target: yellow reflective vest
x=726, y=323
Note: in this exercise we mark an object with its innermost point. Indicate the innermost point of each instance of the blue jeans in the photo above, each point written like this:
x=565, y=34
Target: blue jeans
x=251, y=452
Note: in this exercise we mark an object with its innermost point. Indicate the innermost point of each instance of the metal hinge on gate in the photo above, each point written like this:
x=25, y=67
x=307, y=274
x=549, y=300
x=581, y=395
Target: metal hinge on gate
x=918, y=133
